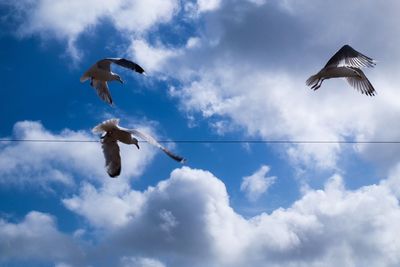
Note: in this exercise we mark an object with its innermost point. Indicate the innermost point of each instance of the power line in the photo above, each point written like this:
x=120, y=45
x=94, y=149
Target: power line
x=49, y=140
x=215, y=141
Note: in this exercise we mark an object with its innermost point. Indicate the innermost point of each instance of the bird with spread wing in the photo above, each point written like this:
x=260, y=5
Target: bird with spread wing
x=112, y=132
x=100, y=73
x=346, y=63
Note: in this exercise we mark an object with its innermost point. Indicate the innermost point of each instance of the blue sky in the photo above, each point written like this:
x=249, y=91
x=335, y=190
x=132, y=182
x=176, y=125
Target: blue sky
x=217, y=69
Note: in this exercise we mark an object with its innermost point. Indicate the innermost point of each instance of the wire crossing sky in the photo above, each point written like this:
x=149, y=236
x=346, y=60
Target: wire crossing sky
x=216, y=141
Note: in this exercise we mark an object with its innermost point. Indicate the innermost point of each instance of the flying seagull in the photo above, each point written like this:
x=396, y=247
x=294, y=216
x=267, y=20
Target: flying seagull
x=112, y=132
x=100, y=73
x=346, y=63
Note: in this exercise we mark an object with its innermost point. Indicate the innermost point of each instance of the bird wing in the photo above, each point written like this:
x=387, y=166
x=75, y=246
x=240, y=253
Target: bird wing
x=362, y=84
x=88, y=73
x=104, y=64
x=84, y=77
x=127, y=64
x=111, y=155
x=106, y=126
x=102, y=90
x=152, y=141
x=351, y=58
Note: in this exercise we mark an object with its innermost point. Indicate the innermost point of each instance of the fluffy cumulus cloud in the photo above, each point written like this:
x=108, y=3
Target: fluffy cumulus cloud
x=152, y=57
x=328, y=227
x=36, y=238
x=187, y=219
x=67, y=20
x=118, y=204
x=257, y=184
x=158, y=57
x=241, y=71
x=45, y=163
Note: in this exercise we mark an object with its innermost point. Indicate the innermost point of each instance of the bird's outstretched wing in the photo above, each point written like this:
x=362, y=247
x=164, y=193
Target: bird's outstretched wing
x=111, y=155
x=104, y=64
x=362, y=83
x=84, y=77
x=127, y=64
x=106, y=126
x=102, y=90
x=351, y=58
x=154, y=142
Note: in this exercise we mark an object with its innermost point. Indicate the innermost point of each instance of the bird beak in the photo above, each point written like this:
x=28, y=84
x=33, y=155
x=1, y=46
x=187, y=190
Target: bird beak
x=121, y=81
x=137, y=145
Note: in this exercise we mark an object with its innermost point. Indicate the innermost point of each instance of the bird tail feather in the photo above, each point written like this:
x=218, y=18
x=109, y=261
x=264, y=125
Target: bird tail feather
x=312, y=80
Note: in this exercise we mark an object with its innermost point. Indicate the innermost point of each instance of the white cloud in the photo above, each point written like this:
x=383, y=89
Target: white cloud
x=187, y=219
x=207, y=5
x=194, y=9
x=35, y=238
x=63, y=19
x=276, y=107
x=42, y=164
x=281, y=108
x=139, y=16
x=257, y=184
x=253, y=77
x=140, y=262
x=118, y=204
x=152, y=58
x=193, y=42
x=194, y=205
x=160, y=58
x=68, y=19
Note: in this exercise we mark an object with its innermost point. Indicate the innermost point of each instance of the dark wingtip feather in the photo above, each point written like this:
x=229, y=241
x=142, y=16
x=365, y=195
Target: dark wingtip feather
x=130, y=64
x=139, y=69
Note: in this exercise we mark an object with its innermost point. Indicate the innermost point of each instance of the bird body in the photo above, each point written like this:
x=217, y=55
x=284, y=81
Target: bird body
x=332, y=72
x=112, y=133
x=336, y=72
x=96, y=73
x=123, y=137
x=345, y=63
x=100, y=73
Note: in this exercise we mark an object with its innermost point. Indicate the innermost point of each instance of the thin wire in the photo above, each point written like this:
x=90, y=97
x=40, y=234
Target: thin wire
x=214, y=141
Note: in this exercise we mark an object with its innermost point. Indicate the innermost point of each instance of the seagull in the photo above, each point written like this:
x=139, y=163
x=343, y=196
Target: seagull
x=100, y=73
x=112, y=132
x=347, y=63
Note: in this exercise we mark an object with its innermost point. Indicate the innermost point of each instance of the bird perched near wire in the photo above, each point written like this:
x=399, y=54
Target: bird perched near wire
x=112, y=132
x=100, y=73
x=346, y=63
